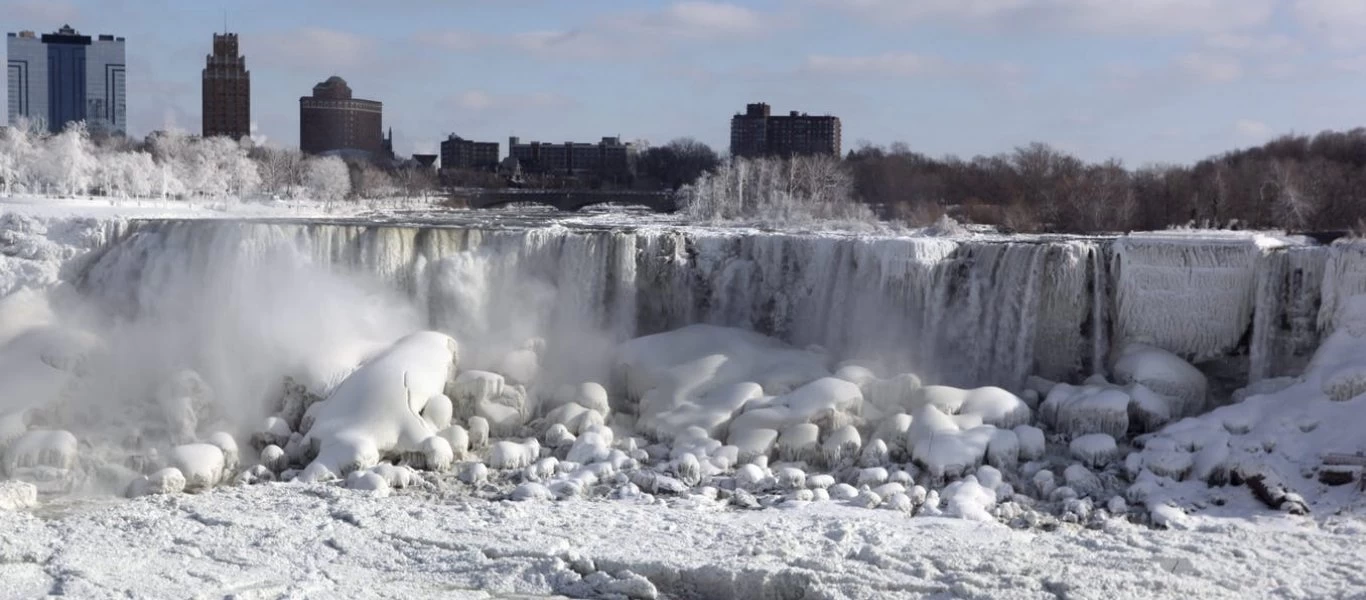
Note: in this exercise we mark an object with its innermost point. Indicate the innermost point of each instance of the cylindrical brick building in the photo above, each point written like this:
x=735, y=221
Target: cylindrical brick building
x=331, y=120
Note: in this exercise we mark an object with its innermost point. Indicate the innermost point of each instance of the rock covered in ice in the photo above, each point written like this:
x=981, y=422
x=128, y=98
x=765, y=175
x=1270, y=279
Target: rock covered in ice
x=1032, y=442
x=374, y=412
x=1164, y=373
x=458, y=439
x=471, y=388
x=274, y=431
x=368, y=481
x=993, y=405
x=944, y=445
x=589, y=395
x=892, y=430
x=875, y=454
x=753, y=443
x=1003, y=449
x=514, y=455
x=17, y=495
x=203, y=465
x=273, y=458
x=1081, y=479
x=1078, y=410
x=841, y=446
x=478, y=433
x=439, y=411
x=506, y=412
x=1095, y=450
x=969, y=499
x=800, y=443
x=41, y=449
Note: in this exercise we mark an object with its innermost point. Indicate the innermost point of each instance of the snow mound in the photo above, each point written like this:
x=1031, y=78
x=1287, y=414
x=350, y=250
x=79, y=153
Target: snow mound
x=375, y=412
x=17, y=495
x=1164, y=373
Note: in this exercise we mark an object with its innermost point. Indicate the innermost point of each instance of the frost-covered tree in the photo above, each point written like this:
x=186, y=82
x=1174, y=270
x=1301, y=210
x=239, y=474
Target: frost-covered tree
x=69, y=161
x=773, y=190
x=326, y=178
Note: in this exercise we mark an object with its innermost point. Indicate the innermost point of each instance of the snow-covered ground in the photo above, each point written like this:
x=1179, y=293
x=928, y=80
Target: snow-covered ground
x=549, y=455
x=283, y=540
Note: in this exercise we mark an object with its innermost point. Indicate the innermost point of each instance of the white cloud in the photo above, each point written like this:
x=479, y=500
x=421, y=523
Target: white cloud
x=890, y=64
x=1339, y=22
x=1121, y=17
x=1209, y=68
x=1274, y=44
x=616, y=36
x=485, y=101
x=316, y=49
x=46, y=15
x=1253, y=130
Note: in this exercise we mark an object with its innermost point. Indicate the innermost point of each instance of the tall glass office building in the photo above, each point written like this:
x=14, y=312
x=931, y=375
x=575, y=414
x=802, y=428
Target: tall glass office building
x=60, y=77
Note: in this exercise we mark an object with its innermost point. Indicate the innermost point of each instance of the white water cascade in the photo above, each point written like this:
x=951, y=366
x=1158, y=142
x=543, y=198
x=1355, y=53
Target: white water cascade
x=959, y=311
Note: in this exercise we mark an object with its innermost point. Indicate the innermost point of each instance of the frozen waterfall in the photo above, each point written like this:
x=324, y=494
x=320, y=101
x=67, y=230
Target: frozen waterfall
x=966, y=312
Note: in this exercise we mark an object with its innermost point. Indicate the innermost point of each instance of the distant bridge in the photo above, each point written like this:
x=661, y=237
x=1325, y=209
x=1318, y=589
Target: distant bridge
x=568, y=200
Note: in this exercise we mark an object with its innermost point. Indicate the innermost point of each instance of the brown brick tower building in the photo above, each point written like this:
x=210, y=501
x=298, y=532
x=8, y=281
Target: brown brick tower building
x=227, y=90
x=331, y=120
x=758, y=133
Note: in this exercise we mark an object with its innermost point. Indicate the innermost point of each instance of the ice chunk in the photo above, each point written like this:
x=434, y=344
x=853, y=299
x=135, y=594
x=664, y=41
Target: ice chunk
x=874, y=454
x=753, y=443
x=940, y=443
x=17, y=495
x=531, y=491
x=593, y=446
x=202, y=464
x=800, y=443
x=41, y=448
x=439, y=411
x=273, y=431
x=514, y=455
x=273, y=458
x=1081, y=479
x=374, y=411
x=1345, y=382
x=471, y=388
x=478, y=432
x=459, y=440
x=1032, y=443
x=892, y=429
x=589, y=395
x=368, y=481
x=1078, y=410
x=1003, y=449
x=1164, y=373
x=969, y=499
x=842, y=445
x=1095, y=450
x=872, y=476
x=1148, y=410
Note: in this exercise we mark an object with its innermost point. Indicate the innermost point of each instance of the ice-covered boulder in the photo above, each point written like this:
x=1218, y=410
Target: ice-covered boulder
x=993, y=405
x=943, y=445
x=1032, y=442
x=753, y=443
x=842, y=446
x=375, y=411
x=471, y=388
x=439, y=411
x=589, y=395
x=368, y=481
x=1003, y=449
x=273, y=458
x=506, y=412
x=514, y=455
x=969, y=499
x=1095, y=450
x=40, y=449
x=17, y=495
x=203, y=465
x=1164, y=373
x=800, y=443
x=1078, y=410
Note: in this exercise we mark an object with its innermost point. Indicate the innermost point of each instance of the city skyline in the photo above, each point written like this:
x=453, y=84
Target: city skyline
x=1145, y=81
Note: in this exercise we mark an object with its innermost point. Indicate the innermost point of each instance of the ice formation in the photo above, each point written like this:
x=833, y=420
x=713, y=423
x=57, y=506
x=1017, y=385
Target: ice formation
x=374, y=412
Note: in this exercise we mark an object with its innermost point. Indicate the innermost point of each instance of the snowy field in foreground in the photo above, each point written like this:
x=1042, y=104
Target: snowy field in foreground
x=295, y=541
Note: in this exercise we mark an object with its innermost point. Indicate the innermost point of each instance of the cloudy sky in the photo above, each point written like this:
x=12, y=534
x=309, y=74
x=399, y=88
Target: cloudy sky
x=1140, y=80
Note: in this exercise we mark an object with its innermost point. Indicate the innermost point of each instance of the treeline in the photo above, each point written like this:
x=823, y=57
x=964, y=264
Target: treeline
x=175, y=165
x=1296, y=182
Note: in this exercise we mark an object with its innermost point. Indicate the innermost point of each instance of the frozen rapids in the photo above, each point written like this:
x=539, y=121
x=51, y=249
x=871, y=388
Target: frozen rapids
x=965, y=312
